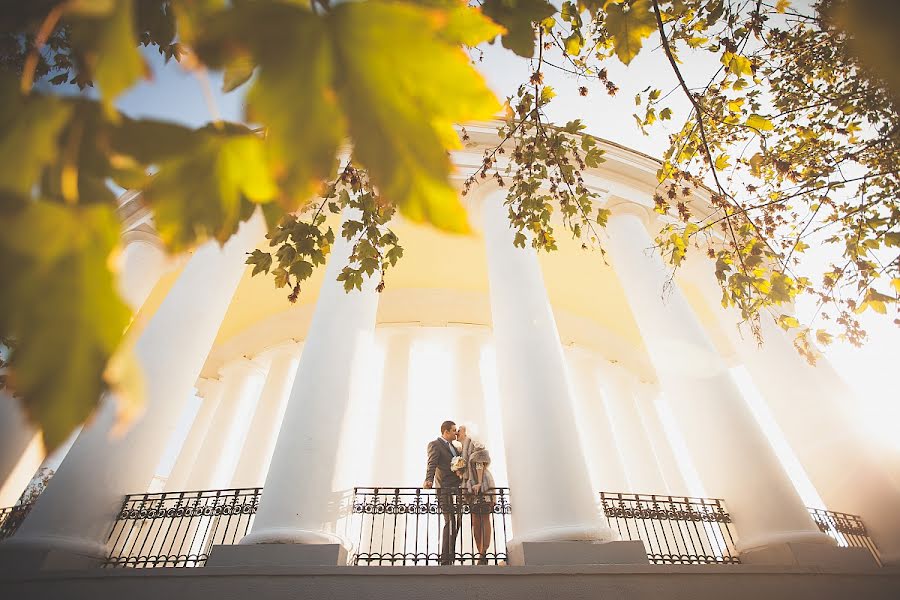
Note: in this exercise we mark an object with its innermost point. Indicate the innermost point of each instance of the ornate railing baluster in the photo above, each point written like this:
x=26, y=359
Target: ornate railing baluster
x=402, y=526
x=848, y=530
x=674, y=529
x=178, y=529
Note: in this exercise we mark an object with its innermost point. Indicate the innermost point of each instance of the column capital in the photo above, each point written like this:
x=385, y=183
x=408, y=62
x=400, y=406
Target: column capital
x=140, y=236
x=207, y=387
x=242, y=366
x=621, y=206
x=285, y=348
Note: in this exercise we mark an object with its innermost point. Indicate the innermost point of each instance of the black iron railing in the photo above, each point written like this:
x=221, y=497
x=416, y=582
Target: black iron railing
x=178, y=529
x=849, y=531
x=676, y=530
x=404, y=526
x=11, y=517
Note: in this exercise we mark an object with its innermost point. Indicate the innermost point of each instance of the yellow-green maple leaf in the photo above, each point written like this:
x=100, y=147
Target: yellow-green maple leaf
x=29, y=130
x=229, y=164
x=628, y=25
x=60, y=304
x=109, y=44
x=402, y=86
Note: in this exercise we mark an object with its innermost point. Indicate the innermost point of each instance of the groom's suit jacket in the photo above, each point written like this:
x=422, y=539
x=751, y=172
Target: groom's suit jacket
x=438, y=469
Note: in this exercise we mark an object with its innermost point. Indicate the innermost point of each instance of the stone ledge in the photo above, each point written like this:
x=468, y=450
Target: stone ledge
x=494, y=583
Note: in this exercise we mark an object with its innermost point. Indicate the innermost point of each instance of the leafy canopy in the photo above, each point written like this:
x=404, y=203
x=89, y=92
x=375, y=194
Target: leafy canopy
x=791, y=143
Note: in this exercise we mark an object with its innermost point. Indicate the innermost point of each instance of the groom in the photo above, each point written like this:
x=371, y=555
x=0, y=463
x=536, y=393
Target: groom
x=439, y=475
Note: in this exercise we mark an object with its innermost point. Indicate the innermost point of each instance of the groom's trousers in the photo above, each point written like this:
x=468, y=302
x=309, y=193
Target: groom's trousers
x=450, y=506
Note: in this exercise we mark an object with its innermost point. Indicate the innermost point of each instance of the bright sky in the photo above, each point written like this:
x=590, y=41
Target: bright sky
x=175, y=95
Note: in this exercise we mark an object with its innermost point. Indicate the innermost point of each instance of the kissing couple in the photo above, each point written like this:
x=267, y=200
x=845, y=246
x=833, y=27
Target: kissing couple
x=458, y=467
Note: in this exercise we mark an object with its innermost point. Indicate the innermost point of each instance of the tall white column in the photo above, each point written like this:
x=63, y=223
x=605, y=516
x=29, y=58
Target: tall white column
x=469, y=389
x=210, y=392
x=143, y=261
x=594, y=427
x=299, y=500
x=260, y=442
x=811, y=412
x=726, y=445
x=549, y=482
x=390, y=435
x=638, y=458
x=242, y=379
x=77, y=510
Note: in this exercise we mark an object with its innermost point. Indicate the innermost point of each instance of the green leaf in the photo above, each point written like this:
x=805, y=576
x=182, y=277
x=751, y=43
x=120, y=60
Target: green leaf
x=261, y=261
x=29, y=130
x=628, y=25
x=237, y=73
x=517, y=16
x=59, y=302
x=110, y=50
x=293, y=94
x=759, y=123
x=227, y=170
x=788, y=322
x=402, y=131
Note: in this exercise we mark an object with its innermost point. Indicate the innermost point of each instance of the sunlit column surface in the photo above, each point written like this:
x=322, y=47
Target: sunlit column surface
x=242, y=379
x=209, y=391
x=594, y=426
x=76, y=511
x=726, y=445
x=646, y=399
x=17, y=437
x=299, y=501
x=641, y=469
x=387, y=469
x=260, y=440
x=549, y=482
x=470, y=404
x=811, y=411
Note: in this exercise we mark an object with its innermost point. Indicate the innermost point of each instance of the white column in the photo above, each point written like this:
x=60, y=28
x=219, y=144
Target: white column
x=809, y=409
x=726, y=445
x=594, y=427
x=646, y=398
x=16, y=437
x=549, y=483
x=469, y=389
x=242, y=380
x=638, y=458
x=142, y=263
x=390, y=436
x=77, y=510
x=260, y=442
x=209, y=391
x=299, y=499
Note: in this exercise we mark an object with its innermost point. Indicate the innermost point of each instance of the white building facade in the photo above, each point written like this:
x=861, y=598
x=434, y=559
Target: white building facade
x=581, y=375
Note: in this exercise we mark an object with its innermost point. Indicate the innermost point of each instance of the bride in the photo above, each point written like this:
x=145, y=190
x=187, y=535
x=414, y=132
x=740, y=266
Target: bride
x=477, y=483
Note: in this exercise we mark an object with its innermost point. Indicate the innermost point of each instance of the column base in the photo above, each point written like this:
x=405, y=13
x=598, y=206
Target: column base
x=277, y=555
x=805, y=554
x=290, y=535
x=577, y=553
x=50, y=554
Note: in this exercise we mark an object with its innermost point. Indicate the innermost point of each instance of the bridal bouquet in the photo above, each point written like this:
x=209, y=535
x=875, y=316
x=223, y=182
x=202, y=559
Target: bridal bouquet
x=458, y=464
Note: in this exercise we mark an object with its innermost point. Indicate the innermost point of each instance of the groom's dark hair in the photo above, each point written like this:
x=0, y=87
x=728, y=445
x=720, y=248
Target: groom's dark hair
x=446, y=425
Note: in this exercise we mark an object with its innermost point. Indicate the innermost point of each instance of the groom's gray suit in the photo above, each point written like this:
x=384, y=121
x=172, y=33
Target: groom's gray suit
x=447, y=484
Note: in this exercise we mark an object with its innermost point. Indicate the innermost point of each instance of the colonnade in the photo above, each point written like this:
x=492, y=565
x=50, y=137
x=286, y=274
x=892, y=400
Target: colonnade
x=571, y=423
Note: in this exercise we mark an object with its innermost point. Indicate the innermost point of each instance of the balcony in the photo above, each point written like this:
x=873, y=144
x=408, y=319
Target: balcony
x=395, y=526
